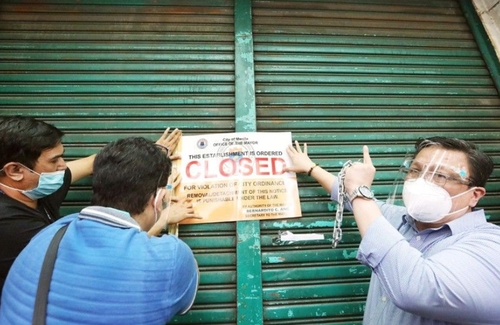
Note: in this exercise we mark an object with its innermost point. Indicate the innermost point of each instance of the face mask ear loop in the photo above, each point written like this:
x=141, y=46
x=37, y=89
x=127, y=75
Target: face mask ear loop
x=173, y=229
x=448, y=214
x=31, y=170
x=464, y=192
x=460, y=194
x=155, y=204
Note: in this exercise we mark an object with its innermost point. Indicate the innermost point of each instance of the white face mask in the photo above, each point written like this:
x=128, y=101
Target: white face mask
x=427, y=202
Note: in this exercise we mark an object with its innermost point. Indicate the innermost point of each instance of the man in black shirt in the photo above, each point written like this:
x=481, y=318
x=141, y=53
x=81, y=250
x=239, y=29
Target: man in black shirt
x=34, y=180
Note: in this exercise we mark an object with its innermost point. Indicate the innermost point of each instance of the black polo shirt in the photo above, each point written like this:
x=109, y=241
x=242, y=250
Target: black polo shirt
x=19, y=223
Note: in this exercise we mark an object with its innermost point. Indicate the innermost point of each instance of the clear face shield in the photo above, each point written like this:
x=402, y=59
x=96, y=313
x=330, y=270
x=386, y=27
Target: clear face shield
x=430, y=171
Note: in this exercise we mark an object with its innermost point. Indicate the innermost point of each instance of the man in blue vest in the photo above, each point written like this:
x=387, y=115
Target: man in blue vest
x=108, y=268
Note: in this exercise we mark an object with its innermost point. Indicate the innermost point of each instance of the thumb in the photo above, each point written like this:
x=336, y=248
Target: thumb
x=366, y=156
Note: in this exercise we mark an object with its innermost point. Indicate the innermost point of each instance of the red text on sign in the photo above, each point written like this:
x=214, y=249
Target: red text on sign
x=246, y=166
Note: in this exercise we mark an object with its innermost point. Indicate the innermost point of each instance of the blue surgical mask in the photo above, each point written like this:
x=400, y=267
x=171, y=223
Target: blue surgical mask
x=48, y=183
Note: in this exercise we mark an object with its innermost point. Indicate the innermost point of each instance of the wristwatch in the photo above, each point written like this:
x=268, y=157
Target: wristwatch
x=362, y=191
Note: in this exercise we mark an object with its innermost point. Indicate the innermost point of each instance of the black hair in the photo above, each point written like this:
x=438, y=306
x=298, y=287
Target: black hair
x=481, y=165
x=127, y=172
x=23, y=139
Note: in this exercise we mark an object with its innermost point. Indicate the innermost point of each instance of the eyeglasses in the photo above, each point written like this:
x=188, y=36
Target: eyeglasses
x=437, y=178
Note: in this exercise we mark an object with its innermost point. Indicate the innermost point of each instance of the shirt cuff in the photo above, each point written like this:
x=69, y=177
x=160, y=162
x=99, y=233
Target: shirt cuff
x=335, y=194
x=379, y=238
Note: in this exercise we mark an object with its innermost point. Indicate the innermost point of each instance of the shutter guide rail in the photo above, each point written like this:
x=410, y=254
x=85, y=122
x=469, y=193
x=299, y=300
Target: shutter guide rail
x=248, y=247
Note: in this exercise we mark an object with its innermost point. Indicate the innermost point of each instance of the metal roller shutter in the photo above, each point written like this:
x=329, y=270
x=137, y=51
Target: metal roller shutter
x=342, y=74
x=102, y=70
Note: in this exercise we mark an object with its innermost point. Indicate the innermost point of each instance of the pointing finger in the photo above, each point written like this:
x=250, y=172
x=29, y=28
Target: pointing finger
x=366, y=156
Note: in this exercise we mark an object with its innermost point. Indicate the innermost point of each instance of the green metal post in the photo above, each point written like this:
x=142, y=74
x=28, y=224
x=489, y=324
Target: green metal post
x=248, y=250
x=483, y=41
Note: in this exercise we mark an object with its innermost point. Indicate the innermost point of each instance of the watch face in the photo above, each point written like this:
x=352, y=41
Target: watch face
x=365, y=191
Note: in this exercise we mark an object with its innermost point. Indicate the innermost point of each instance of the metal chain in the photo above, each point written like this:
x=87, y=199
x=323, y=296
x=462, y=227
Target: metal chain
x=339, y=215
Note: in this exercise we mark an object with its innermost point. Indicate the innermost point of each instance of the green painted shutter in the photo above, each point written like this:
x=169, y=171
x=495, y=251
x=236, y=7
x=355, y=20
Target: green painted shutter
x=338, y=74
x=102, y=70
x=343, y=74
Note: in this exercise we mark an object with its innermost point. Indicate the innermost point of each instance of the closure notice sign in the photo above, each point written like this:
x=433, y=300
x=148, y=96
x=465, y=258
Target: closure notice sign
x=237, y=176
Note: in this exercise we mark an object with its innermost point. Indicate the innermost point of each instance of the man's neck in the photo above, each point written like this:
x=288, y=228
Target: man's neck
x=422, y=226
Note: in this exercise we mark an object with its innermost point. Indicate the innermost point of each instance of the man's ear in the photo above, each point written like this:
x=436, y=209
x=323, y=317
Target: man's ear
x=477, y=194
x=13, y=171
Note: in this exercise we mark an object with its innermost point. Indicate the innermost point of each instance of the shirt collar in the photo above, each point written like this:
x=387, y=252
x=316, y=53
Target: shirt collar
x=109, y=216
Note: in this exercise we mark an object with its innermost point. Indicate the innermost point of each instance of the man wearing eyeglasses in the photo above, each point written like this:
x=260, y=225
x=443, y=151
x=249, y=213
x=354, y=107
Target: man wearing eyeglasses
x=435, y=260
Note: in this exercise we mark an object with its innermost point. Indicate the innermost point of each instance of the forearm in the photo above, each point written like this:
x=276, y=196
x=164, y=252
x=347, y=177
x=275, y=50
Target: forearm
x=365, y=213
x=155, y=230
x=81, y=168
x=323, y=177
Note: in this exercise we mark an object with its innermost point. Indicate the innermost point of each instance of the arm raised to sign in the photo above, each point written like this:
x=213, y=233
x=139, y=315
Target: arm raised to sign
x=301, y=163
